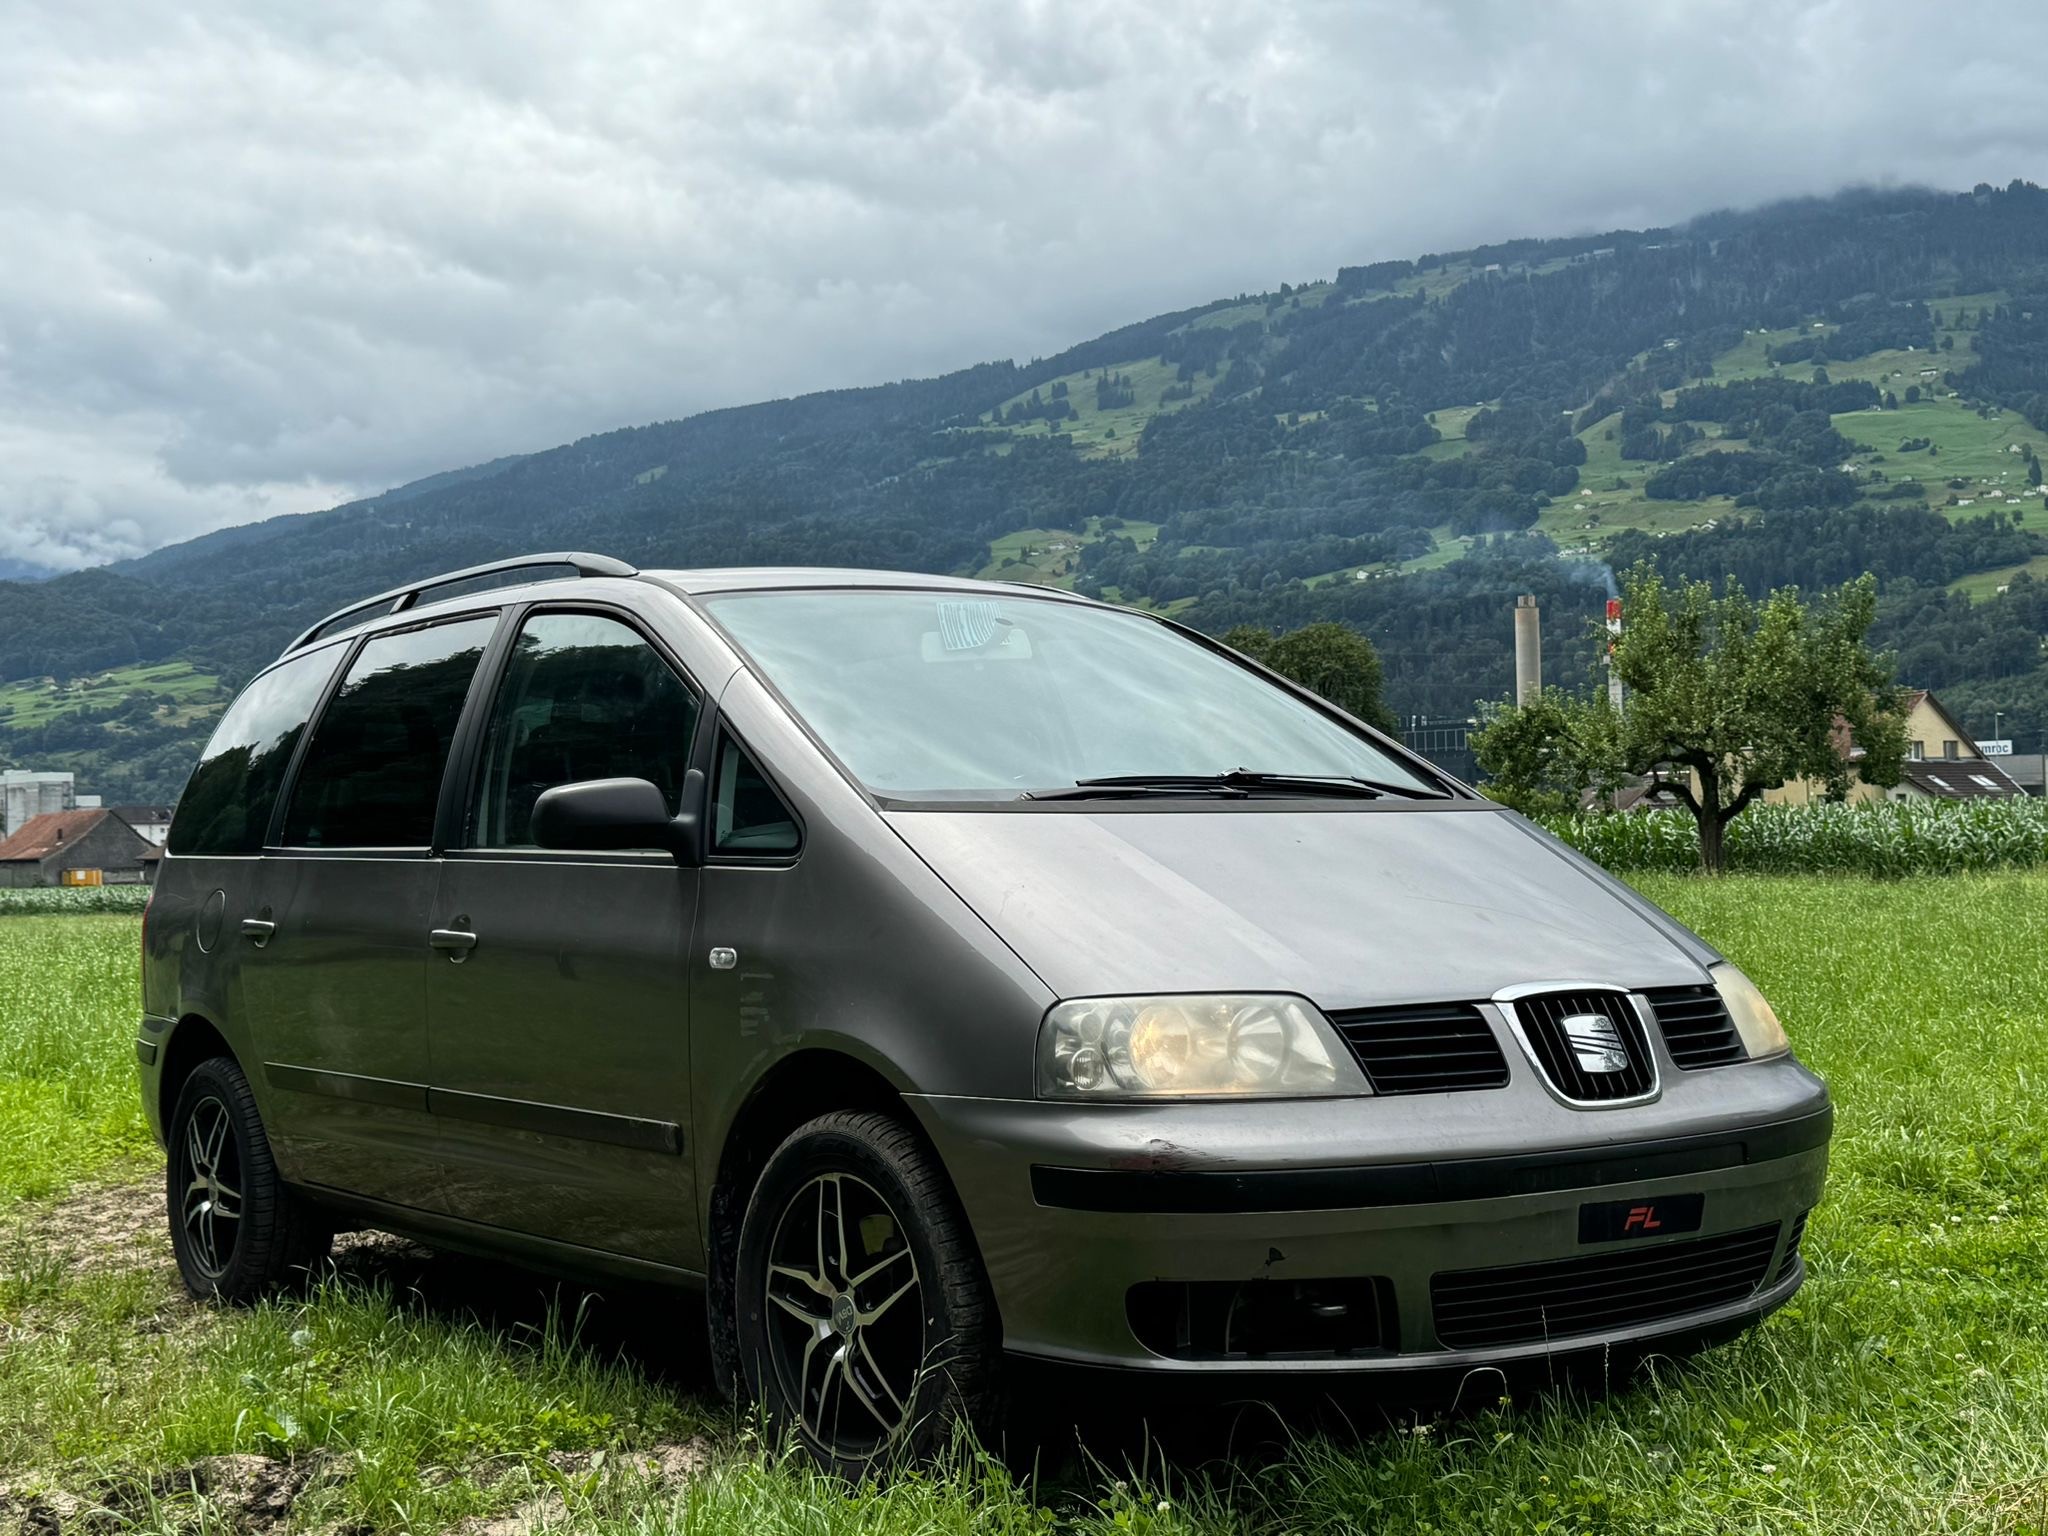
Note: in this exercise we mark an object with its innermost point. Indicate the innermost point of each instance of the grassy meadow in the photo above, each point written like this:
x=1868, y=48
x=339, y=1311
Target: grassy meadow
x=1905, y=1390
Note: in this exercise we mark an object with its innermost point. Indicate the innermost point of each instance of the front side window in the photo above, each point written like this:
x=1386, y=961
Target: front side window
x=940, y=695
x=748, y=818
x=583, y=697
x=372, y=776
x=226, y=807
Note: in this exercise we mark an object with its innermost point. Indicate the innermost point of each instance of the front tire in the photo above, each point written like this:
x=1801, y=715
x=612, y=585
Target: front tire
x=237, y=1231
x=865, y=1322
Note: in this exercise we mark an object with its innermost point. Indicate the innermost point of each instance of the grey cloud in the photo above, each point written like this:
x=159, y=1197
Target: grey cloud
x=259, y=259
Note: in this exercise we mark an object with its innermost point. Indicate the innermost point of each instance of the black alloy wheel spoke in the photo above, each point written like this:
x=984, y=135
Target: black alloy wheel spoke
x=838, y=1265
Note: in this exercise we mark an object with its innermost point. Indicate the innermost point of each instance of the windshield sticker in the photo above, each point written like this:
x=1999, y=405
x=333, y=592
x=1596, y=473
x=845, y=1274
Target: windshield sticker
x=966, y=624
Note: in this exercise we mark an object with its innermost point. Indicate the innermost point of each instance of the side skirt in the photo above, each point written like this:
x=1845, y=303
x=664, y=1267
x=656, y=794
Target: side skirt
x=570, y=1261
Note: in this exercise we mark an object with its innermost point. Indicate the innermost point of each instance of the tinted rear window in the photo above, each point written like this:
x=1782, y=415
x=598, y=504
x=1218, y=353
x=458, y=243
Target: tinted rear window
x=227, y=803
x=372, y=776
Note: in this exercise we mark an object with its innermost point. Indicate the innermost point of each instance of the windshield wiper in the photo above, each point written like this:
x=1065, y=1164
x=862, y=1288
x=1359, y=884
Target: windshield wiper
x=1133, y=786
x=1237, y=783
x=1329, y=784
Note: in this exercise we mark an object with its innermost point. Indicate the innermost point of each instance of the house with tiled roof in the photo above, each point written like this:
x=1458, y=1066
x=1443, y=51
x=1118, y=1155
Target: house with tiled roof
x=1943, y=762
x=91, y=847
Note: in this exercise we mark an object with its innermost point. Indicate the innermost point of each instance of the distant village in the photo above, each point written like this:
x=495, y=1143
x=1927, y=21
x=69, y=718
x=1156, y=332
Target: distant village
x=50, y=834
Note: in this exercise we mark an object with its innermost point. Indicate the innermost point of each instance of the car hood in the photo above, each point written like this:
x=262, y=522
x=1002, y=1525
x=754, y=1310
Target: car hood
x=1350, y=907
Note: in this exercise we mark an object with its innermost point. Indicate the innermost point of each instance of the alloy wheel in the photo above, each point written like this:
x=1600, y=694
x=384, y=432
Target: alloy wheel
x=211, y=1207
x=845, y=1315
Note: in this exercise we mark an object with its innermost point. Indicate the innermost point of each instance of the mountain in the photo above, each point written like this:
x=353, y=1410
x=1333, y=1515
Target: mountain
x=1794, y=393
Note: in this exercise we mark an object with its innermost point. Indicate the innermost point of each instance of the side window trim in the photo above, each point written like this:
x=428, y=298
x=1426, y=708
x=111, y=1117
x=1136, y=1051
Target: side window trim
x=458, y=774
x=717, y=731
x=465, y=757
x=354, y=646
x=290, y=784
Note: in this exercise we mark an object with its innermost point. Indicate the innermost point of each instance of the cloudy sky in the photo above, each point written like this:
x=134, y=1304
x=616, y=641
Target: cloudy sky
x=260, y=258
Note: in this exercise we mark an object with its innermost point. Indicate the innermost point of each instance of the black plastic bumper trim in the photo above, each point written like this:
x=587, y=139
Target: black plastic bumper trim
x=347, y=1085
x=1187, y=1192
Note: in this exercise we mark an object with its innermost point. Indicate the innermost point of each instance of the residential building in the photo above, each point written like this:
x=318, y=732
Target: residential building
x=76, y=848
x=151, y=822
x=1943, y=762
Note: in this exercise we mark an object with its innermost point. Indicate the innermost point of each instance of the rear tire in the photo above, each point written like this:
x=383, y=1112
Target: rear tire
x=864, y=1317
x=238, y=1232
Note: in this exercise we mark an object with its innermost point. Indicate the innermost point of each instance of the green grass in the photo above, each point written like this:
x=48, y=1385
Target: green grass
x=69, y=1014
x=181, y=694
x=1906, y=1390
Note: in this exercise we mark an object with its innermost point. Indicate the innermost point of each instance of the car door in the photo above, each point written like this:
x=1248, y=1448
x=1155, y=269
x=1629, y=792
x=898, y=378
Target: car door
x=334, y=974
x=558, y=1004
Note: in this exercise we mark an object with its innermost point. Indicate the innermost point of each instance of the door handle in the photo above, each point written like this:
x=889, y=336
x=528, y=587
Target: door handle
x=457, y=942
x=258, y=929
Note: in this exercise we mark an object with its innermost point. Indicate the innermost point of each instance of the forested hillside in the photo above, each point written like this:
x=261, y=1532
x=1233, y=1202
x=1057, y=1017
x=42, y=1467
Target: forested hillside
x=1794, y=395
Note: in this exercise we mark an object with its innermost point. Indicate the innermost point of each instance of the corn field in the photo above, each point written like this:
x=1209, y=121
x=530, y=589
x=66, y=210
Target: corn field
x=36, y=901
x=1888, y=841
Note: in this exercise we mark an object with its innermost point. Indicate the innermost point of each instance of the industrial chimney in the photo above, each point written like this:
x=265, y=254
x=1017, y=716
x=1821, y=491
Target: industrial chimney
x=1528, y=651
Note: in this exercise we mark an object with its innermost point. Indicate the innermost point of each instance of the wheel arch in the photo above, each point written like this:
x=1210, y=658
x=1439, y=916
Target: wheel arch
x=193, y=1039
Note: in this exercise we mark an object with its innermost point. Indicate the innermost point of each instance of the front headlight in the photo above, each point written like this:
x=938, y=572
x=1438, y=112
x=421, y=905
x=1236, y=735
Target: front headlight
x=1755, y=1020
x=1215, y=1045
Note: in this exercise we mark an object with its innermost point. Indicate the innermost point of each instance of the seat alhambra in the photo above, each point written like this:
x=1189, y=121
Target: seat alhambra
x=930, y=972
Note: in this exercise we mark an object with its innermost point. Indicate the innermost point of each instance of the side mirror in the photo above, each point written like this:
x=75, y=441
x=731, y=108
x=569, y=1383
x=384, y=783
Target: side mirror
x=599, y=814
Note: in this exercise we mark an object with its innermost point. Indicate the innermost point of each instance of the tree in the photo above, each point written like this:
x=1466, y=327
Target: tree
x=1329, y=659
x=1542, y=758
x=1739, y=696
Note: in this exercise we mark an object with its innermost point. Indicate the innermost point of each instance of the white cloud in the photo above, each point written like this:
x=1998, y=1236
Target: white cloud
x=257, y=259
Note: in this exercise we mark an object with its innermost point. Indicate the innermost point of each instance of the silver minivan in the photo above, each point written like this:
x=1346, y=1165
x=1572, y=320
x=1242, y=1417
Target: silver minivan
x=930, y=972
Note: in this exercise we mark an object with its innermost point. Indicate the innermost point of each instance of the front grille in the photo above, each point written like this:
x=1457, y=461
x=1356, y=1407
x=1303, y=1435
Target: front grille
x=1430, y=1048
x=1542, y=1020
x=1697, y=1029
x=1791, y=1259
x=1563, y=1298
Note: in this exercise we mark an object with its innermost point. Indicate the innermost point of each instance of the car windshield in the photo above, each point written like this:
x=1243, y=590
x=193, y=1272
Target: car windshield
x=929, y=695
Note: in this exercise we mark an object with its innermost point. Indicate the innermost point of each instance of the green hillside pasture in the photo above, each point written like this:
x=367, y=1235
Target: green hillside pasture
x=1976, y=449
x=1099, y=433
x=1982, y=584
x=181, y=693
x=1450, y=422
x=1046, y=557
x=1610, y=497
x=1904, y=1391
x=1970, y=447
x=1449, y=547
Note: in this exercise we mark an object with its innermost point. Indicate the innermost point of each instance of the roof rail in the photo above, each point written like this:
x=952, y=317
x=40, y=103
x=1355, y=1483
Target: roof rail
x=399, y=599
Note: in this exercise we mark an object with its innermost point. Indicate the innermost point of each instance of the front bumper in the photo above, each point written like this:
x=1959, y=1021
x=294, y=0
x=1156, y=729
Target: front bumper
x=1074, y=1205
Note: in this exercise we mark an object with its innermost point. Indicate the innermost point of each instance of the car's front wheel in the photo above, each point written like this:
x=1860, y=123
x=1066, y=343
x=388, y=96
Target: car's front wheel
x=864, y=1316
x=236, y=1229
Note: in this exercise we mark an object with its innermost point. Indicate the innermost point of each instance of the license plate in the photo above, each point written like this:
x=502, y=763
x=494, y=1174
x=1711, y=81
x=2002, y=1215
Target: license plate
x=1611, y=1221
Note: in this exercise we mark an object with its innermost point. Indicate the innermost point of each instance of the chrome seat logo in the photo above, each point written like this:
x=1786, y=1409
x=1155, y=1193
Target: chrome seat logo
x=1595, y=1041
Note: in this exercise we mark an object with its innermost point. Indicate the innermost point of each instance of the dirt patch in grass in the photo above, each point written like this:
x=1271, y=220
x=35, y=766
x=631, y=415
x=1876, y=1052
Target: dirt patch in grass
x=102, y=1226
x=262, y=1495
